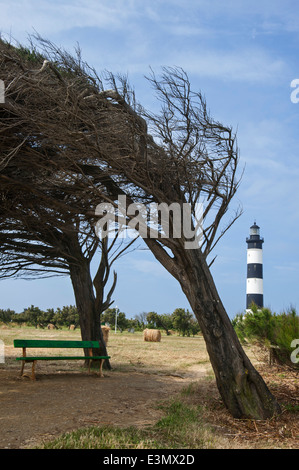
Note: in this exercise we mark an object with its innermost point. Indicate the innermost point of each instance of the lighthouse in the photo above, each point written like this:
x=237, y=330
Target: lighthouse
x=254, y=288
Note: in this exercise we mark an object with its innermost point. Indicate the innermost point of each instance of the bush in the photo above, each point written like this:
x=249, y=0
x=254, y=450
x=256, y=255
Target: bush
x=6, y=315
x=267, y=328
x=260, y=324
x=286, y=330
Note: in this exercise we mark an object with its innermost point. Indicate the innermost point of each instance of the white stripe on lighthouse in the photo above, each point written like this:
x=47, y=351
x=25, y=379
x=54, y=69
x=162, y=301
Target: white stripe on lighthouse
x=254, y=286
x=254, y=255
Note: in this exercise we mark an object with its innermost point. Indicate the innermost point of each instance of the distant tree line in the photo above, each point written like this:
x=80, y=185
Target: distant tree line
x=34, y=316
x=181, y=320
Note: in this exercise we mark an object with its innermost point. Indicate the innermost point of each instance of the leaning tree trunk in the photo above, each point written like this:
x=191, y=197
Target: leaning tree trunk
x=241, y=387
x=89, y=317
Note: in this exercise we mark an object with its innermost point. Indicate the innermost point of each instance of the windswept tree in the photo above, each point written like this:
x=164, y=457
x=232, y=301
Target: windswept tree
x=176, y=158
x=193, y=159
x=49, y=193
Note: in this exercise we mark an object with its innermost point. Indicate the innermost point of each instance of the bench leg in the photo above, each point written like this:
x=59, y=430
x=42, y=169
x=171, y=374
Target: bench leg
x=33, y=377
x=101, y=366
x=23, y=362
x=22, y=368
x=33, y=370
x=89, y=362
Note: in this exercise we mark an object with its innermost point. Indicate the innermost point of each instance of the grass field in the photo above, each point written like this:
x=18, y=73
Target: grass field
x=128, y=350
x=193, y=416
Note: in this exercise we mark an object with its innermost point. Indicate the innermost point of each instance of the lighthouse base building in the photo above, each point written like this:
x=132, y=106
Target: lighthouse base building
x=254, y=287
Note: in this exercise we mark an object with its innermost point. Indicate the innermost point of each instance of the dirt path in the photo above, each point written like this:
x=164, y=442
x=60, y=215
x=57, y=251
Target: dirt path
x=63, y=400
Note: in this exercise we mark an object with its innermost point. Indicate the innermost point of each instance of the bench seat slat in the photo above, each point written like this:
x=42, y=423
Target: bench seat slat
x=57, y=358
x=45, y=343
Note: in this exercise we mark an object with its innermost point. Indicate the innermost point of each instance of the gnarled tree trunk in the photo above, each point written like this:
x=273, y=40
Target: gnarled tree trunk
x=90, y=320
x=241, y=387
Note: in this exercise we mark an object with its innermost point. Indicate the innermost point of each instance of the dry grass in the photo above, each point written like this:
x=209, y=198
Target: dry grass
x=174, y=355
x=182, y=356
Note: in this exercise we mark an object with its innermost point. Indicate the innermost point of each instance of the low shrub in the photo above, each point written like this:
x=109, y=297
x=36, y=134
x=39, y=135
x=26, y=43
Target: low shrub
x=262, y=326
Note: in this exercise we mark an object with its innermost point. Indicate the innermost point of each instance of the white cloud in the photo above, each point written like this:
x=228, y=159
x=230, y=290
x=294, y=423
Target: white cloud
x=151, y=34
x=253, y=65
x=49, y=18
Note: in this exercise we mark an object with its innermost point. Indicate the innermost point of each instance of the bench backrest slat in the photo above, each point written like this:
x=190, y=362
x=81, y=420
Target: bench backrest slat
x=50, y=343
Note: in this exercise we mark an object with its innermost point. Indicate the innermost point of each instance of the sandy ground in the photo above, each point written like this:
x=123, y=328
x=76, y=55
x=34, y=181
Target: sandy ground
x=63, y=398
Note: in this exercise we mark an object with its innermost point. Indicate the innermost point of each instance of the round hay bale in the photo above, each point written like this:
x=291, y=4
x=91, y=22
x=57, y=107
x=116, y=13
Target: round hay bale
x=72, y=327
x=51, y=326
x=153, y=336
x=105, y=331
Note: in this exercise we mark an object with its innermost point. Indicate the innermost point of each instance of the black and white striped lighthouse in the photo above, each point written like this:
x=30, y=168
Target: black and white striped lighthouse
x=254, y=288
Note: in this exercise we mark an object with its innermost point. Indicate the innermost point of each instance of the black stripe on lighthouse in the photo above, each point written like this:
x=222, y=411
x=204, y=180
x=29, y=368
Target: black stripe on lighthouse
x=254, y=287
x=255, y=270
x=257, y=299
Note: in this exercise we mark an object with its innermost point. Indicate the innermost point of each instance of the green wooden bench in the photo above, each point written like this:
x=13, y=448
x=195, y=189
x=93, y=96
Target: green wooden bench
x=39, y=343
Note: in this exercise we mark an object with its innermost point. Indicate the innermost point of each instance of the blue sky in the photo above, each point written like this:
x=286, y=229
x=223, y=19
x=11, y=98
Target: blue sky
x=243, y=56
